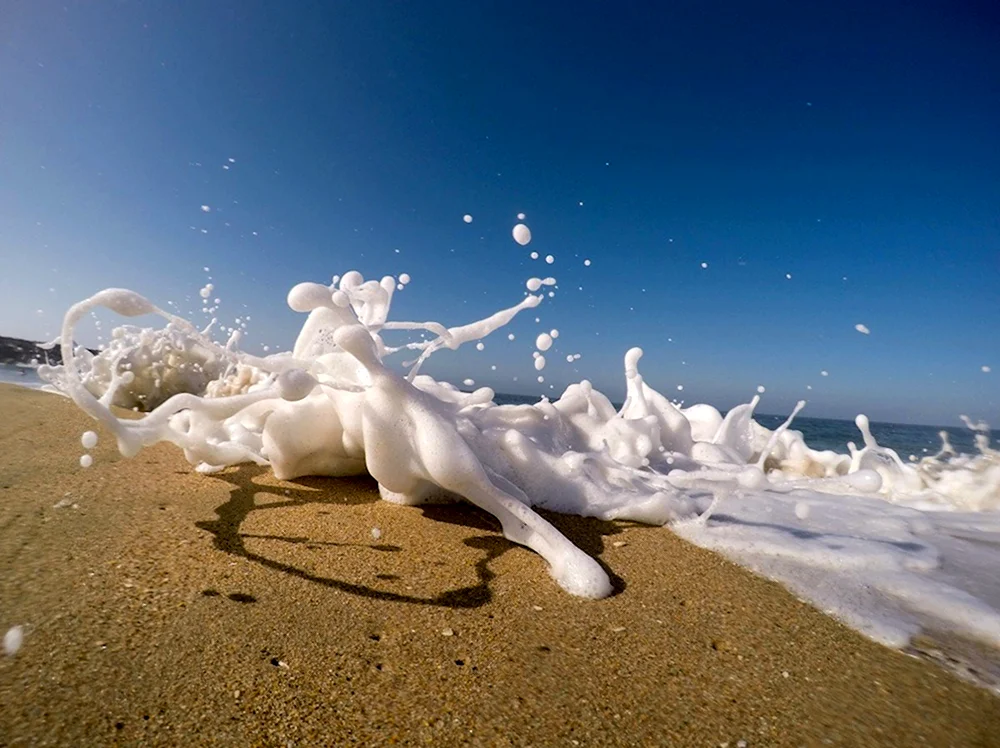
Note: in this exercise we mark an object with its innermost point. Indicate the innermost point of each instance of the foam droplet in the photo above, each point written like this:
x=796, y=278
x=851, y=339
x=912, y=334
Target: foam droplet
x=88, y=440
x=467, y=218
x=13, y=640
x=862, y=329
x=86, y=461
x=522, y=234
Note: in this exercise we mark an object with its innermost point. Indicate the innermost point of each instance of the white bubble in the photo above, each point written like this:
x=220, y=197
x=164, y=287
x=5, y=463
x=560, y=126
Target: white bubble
x=586, y=263
x=760, y=388
x=467, y=218
x=541, y=379
x=86, y=461
x=862, y=329
x=12, y=640
x=539, y=362
x=986, y=369
x=534, y=284
x=824, y=373
x=554, y=333
x=543, y=342
x=480, y=346
x=801, y=509
x=520, y=216
x=510, y=336
x=550, y=259
x=206, y=208
x=680, y=387
x=88, y=440
x=468, y=382
x=404, y=278
x=521, y=234
x=704, y=265
x=788, y=276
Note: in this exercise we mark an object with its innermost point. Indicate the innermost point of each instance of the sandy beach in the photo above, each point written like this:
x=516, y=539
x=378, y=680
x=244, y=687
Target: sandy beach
x=165, y=607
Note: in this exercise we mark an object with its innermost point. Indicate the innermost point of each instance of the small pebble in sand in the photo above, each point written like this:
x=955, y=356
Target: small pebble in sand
x=376, y=533
x=617, y=629
x=619, y=544
x=447, y=632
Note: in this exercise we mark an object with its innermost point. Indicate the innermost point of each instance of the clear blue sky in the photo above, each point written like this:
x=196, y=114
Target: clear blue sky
x=857, y=140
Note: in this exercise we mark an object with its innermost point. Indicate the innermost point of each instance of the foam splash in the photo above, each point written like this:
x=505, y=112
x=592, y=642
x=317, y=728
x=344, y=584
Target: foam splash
x=332, y=406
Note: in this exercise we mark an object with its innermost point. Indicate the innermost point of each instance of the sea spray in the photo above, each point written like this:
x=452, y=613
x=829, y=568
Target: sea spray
x=332, y=406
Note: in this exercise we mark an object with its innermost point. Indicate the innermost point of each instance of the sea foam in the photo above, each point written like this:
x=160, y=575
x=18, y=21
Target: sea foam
x=890, y=548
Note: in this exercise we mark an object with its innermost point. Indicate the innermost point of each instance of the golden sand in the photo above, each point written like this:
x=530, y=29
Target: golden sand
x=164, y=607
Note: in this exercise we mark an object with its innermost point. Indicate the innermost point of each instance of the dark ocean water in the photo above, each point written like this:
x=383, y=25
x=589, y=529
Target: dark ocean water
x=820, y=433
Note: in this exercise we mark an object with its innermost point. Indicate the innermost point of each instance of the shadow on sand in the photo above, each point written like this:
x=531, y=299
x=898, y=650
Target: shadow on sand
x=247, y=495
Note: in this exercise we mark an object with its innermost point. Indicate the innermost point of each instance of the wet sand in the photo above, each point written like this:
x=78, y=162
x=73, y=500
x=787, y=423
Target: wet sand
x=164, y=607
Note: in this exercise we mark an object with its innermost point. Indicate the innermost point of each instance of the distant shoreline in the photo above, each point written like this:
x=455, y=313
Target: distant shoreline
x=26, y=353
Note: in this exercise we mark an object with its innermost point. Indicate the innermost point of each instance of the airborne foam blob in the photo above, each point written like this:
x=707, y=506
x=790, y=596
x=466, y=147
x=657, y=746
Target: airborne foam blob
x=985, y=369
x=543, y=342
x=467, y=218
x=862, y=329
x=88, y=440
x=521, y=234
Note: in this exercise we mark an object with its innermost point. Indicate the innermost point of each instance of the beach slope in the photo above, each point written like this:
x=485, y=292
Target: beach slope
x=164, y=607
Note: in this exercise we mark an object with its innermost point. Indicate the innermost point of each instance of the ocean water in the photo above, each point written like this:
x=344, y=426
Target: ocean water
x=22, y=375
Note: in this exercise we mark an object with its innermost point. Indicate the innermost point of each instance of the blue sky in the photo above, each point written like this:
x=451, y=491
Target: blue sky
x=855, y=140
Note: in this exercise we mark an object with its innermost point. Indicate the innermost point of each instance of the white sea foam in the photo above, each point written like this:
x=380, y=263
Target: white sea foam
x=886, y=546
x=13, y=640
